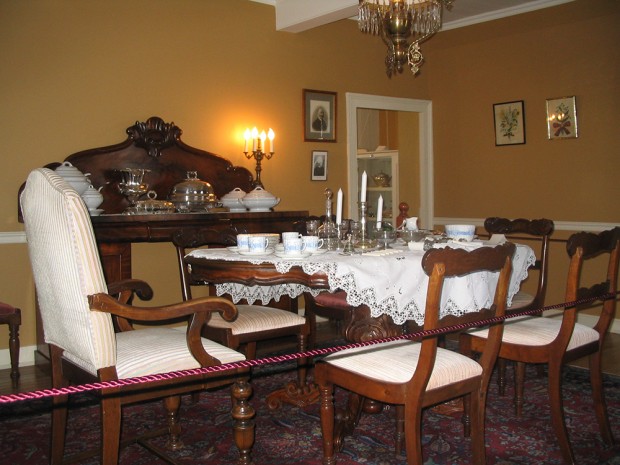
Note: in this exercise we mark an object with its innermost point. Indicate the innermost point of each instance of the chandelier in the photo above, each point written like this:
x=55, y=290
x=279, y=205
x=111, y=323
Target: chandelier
x=398, y=22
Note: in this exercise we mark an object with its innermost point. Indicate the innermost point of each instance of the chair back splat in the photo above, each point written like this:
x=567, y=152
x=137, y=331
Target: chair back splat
x=413, y=375
x=78, y=314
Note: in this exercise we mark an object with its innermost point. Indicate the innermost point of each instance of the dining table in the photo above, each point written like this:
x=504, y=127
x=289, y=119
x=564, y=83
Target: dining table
x=387, y=286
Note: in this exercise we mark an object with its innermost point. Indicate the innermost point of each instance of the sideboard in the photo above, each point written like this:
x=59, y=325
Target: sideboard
x=156, y=146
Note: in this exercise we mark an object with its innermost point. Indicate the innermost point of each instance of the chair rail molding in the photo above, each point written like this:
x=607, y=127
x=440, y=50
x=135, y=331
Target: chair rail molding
x=13, y=237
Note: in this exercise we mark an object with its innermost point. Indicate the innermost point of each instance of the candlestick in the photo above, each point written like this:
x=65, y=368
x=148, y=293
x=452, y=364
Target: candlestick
x=339, y=207
x=271, y=136
x=379, y=211
x=254, y=138
x=364, y=182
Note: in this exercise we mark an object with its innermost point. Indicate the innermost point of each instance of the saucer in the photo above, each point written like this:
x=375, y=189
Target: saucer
x=95, y=211
x=233, y=248
x=317, y=251
x=262, y=253
x=290, y=256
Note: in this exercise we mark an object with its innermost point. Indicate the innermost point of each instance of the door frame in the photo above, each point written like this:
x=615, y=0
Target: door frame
x=425, y=211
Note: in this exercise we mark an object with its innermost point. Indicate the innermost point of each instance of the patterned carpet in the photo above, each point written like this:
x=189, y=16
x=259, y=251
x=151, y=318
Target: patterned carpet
x=292, y=435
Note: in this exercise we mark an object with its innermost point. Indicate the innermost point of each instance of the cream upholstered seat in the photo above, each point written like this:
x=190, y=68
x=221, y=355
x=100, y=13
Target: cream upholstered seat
x=414, y=375
x=555, y=342
x=254, y=322
x=77, y=315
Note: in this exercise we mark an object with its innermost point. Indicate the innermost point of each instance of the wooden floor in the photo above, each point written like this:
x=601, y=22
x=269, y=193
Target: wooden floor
x=33, y=378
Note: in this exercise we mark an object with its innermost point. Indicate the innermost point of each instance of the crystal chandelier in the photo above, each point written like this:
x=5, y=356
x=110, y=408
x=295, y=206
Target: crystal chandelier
x=398, y=22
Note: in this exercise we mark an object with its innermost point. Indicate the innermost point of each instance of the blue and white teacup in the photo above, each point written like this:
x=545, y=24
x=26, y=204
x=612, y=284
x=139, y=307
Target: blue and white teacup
x=294, y=246
x=258, y=244
x=312, y=243
x=243, y=242
x=290, y=235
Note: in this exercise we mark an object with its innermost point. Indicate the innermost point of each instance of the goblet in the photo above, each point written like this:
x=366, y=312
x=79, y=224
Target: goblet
x=385, y=237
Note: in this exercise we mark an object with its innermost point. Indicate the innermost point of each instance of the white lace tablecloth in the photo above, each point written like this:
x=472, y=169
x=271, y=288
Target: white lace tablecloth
x=391, y=282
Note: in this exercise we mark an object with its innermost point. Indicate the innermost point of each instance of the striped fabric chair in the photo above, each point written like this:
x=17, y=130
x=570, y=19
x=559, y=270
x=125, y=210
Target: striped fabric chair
x=415, y=375
x=78, y=314
x=555, y=342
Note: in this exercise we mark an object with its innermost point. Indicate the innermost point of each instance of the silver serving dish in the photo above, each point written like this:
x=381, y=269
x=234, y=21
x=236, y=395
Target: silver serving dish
x=193, y=195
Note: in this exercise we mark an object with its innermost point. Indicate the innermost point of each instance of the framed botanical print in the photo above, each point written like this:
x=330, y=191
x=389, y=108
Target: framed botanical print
x=562, y=118
x=319, y=115
x=509, y=120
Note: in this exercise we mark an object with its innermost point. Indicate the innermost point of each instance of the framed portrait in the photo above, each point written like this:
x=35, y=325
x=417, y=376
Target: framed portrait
x=319, y=166
x=319, y=115
x=509, y=120
x=562, y=118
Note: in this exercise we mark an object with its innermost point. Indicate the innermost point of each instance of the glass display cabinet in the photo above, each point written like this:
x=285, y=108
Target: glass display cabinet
x=381, y=169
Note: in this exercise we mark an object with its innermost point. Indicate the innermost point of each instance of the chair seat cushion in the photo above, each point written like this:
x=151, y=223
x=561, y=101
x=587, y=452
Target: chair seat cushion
x=395, y=362
x=158, y=350
x=6, y=309
x=520, y=300
x=540, y=331
x=254, y=318
x=336, y=299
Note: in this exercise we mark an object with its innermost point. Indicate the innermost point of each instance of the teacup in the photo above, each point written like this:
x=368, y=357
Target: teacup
x=312, y=243
x=258, y=244
x=290, y=235
x=294, y=246
x=243, y=242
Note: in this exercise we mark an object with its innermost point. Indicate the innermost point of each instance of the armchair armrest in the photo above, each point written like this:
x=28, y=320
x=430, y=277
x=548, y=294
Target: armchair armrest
x=198, y=310
x=126, y=288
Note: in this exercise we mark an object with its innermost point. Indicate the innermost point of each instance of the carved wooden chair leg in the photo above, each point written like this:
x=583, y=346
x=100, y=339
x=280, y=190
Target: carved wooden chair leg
x=519, y=387
x=14, y=322
x=243, y=420
x=557, y=412
x=598, y=396
x=399, y=436
x=172, y=405
x=501, y=376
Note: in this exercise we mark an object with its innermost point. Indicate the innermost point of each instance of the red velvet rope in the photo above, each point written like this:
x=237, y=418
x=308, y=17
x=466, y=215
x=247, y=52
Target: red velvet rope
x=9, y=398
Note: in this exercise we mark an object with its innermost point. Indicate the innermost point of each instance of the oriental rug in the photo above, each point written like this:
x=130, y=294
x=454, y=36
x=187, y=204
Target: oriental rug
x=291, y=435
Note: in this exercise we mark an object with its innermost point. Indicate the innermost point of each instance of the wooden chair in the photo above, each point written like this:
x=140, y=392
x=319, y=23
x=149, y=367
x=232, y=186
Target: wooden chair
x=12, y=317
x=541, y=230
x=554, y=342
x=420, y=374
x=79, y=317
x=254, y=323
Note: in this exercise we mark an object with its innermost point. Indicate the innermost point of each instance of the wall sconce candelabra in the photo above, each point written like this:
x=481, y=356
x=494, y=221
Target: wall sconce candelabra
x=258, y=145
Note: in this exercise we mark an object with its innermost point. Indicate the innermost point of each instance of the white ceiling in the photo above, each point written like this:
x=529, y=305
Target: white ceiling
x=300, y=15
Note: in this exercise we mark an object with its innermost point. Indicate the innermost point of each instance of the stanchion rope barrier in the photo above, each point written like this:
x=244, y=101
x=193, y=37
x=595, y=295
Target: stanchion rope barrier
x=103, y=385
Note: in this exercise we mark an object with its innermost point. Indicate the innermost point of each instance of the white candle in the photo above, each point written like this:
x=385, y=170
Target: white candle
x=364, y=182
x=271, y=135
x=379, y=211
x=263, y=137
x=246, y=136
x=339, y=207
x=254, y=138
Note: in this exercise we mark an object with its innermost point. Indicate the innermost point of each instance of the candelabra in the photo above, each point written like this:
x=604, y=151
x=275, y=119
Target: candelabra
x=258, y=143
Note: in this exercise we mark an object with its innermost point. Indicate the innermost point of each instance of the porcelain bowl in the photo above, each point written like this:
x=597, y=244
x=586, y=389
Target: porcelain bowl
x=260, y=205
x=461, y=232
x=233, y=205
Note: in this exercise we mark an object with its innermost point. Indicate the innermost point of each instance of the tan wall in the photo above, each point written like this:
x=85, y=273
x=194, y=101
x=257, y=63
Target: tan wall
x=76, y=74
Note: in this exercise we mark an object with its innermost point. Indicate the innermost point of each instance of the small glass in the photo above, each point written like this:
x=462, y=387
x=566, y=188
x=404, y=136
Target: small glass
x=312, y=227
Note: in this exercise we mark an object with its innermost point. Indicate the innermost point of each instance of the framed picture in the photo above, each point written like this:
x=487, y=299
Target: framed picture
x=509, y=120
x=319, y=115
x=319, y=166
x=562, y=118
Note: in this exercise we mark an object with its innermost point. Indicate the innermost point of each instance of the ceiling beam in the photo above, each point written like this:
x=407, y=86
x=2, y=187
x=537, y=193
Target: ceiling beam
x=301, y=15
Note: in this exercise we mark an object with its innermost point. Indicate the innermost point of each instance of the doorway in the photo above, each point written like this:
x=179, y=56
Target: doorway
x=425, y=209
